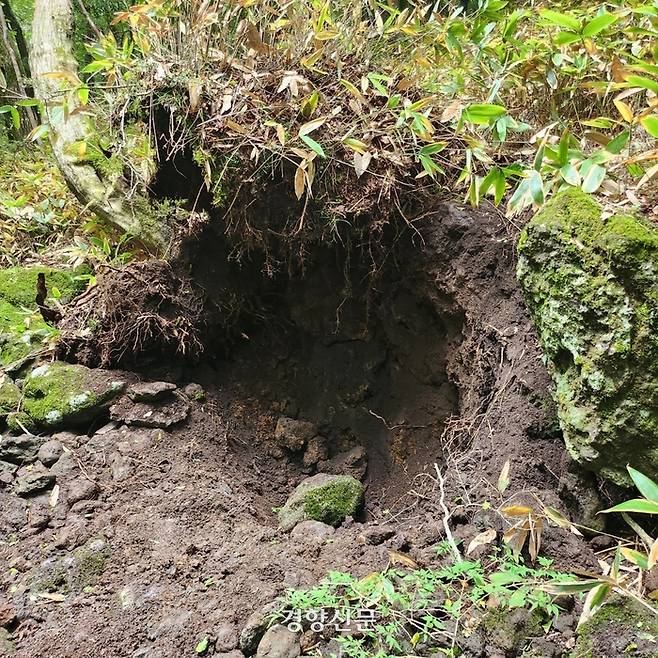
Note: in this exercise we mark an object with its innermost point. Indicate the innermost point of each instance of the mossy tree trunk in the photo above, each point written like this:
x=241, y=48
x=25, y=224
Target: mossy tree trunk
x=56, y=82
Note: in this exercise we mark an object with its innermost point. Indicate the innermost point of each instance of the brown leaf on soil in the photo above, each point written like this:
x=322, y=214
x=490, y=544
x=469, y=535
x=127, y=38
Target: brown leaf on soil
x=395, y=557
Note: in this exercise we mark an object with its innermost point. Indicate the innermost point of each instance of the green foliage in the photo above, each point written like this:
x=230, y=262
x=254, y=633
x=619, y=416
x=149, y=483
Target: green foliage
x=500, y=101
x=422, y=611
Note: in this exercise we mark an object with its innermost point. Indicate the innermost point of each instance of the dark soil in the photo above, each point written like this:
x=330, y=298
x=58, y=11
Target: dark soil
x=433, y=362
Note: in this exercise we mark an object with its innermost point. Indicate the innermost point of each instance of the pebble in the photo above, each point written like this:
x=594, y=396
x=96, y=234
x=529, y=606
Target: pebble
x=150, y=391
x=64, y=465
x=81, y=489
x=50, y=452
x=312, y=531
x=279, y=642
x=19, y=449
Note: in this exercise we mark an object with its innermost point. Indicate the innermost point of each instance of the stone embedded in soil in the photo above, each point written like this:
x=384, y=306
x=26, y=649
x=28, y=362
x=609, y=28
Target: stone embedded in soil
x=64, y=395
x=150, y=391
x=354, y=462
x=194, y=392
x=50, y=452
x=73, y=572
x=159, y=415
x=316, y=451
x=7, y=614
x=32, y=481
x=64, y=465
x=279, y=642
x=255, y=627
x=622, y=627
x=20, y=449
x=293, y=434
x=14, y=513
x=236, y=653
x=81, y=489
x=312, y=531
x=226, y=637
x=323, y=497
x=375, y=535
x=591, y=285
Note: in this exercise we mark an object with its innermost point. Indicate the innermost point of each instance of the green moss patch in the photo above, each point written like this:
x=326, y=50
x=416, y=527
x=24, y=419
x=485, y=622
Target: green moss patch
x=325, y=498
x=22, y=329
x=60, y=394
x=591, y=285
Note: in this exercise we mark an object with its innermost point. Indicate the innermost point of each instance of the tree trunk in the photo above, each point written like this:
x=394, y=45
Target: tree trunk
x=52, y=52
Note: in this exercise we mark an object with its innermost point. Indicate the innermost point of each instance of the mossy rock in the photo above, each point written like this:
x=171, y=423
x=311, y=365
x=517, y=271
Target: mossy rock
x=10, y=396
x=73, y=572
x=325, y=498
x=511, y=630
x=591, y=285
x=63, y=395
x=22, y=329
x=622, y=627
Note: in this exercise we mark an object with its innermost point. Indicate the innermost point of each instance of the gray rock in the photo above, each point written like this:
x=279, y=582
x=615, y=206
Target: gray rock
x=50, y=452
x=64, y=465
x=120, y=466
x=316, y=451
x=194, y=392
x=312, y=531
x=19, y=449
x=7, y=471
x=255, y=627
x=293, y=434
x=160, y=415
x=81, y=489
x=375, y=535
x=150, y=391
x=279, y=642
x=323, y=497
x=354, y=462
x=33, y=481
x=14, y=513
x=230, y=654
x=227, y=637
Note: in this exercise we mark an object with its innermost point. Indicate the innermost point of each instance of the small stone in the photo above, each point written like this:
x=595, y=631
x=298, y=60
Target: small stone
x=279, y=642
x=64, y=465
x=19, y=449
x=226, y=637
x=120, y=466
x=316, y=451
x=38, y=517
x=293, y=434
x=312, y=531
x=160, y=414
x=7, y=471
x=81, y=489
x=50, y=452
x=150, y=391
x=195, y=392
x=230, y=654
x=33, y=481
x=255, y=627
x=375, y=535
x=354, y=462
x=7, y=614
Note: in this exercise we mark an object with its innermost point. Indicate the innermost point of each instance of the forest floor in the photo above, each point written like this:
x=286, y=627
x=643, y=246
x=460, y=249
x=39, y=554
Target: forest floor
x=183, y=521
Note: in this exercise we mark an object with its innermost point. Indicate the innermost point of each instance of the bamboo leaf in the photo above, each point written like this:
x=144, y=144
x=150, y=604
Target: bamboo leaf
x=310, y=126
x=599, y=24
x=562, y=20
x=639, y=505
x=313, y=145
x=645, y=485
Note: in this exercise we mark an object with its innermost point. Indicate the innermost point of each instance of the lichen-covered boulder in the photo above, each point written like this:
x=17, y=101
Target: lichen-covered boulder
x=622, y=627
x=591, y=285
x=22, y=329
x=323, y=497
x=63, y=395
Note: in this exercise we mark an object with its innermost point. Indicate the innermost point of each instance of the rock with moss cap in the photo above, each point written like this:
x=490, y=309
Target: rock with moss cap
x=622, y=627
x=22, y=329
x=10, y=396
x=323, y=497
x=591, y=285
x=58, y=394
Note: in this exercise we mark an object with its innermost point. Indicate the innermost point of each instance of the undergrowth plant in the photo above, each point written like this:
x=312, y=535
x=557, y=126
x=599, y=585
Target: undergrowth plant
x=505, y=102
x=416, y=611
